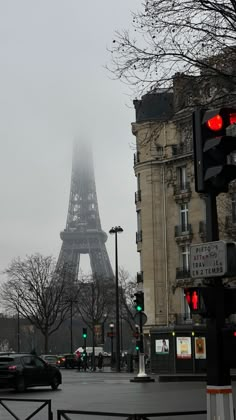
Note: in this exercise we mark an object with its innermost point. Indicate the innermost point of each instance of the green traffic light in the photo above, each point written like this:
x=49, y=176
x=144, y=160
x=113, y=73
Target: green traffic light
x=84, y=335
x=137, y=348
x=139, y=308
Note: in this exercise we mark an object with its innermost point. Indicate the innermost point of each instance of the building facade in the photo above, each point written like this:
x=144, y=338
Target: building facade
x=170, y=214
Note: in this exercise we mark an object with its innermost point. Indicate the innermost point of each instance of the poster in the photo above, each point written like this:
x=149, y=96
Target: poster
x=183, y=347
x=200, y=347
x=162, y=346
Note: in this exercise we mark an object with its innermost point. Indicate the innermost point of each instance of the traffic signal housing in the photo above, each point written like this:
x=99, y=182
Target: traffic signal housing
x=84, y=333
x=212, y=148
x=202, y=300
x=137, y=345
x=194, y=299
x=139, y=301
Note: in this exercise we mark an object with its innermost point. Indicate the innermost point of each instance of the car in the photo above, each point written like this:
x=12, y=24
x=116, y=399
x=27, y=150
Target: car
x=71, y=360
x=23, y=370
x=51, y=359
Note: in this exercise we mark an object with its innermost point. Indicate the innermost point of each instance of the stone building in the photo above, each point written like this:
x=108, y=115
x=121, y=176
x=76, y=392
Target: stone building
x=170, y=214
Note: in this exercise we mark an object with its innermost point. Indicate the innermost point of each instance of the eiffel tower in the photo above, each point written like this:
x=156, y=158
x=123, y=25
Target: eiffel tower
x=83, y=233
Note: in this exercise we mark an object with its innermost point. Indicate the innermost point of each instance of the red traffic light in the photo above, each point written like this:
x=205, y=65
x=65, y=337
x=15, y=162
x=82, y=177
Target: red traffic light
x=215, y=123
x=218, y=122
x=193, y=298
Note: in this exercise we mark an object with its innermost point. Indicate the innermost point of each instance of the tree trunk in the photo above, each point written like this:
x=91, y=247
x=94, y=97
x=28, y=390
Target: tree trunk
x=46, y=341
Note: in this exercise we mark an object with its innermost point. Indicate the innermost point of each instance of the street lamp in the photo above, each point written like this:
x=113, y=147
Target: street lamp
x=111, y=325
x=115, y=230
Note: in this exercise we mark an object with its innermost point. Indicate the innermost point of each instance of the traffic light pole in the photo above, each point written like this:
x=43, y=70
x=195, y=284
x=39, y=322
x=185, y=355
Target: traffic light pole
x=141, y=362
x=219, y=389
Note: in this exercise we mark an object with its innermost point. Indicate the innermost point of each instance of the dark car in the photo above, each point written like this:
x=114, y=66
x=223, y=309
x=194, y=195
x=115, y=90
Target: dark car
x=20, y=371
x=51, y=359
x=71, y=360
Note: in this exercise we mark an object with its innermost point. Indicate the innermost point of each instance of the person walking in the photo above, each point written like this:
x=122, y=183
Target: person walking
x=100, y=361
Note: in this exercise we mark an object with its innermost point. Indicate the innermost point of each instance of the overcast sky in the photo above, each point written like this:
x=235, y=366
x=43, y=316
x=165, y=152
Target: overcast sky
x=54, y=88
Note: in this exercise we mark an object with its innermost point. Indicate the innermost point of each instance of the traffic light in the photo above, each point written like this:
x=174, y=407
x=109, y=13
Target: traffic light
x=203, y=300
x=194, y=299
x=212, y=147
x=137, y=345
x=84, y=333
x=139, y=301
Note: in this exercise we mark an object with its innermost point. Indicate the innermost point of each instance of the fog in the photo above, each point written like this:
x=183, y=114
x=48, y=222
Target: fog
x=55, y=88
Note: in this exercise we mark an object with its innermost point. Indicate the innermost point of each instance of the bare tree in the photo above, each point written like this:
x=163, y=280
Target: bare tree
x=194, y=37
x=37, y=291
x=127, y=289
x=95, y=300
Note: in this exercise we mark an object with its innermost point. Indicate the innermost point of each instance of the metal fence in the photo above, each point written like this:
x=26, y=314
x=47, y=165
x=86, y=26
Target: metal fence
x=44, y=403
x=66, y=414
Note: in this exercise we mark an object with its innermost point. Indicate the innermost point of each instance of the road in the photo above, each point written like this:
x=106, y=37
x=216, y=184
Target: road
x=112, y=392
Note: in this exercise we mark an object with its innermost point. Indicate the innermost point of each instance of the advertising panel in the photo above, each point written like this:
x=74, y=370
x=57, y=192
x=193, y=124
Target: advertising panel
x=200, y=347
x=183, y=347
x=162, y=346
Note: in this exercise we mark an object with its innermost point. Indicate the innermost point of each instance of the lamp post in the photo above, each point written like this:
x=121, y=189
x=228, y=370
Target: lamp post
x=111, y=325
x=115, y=230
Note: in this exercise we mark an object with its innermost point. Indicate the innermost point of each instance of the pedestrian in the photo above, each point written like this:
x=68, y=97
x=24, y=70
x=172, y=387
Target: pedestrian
x=100, y=361
x=79, y=360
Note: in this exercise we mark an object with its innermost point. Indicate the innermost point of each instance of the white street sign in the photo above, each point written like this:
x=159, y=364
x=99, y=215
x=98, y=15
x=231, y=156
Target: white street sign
x=208, y=259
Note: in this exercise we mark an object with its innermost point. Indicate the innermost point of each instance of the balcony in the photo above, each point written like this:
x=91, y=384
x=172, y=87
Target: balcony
x=183, y=233
x=182, y=192
x=136, y=157
x=202, y=230
x=181, y=149
x=137, y=196
x=140, y=277
x=138, y=236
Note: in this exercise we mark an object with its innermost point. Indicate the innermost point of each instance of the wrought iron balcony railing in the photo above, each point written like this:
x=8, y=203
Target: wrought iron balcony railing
x=136, y=157
x=137, y=196
x=183, y=187
x=140, y=277
x=181, y=149
x=182, y=273
x=139, y=236
x=183, y=230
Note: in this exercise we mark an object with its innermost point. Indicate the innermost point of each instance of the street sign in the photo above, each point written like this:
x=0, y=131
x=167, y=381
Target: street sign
x=143, y=318
x=212, y=259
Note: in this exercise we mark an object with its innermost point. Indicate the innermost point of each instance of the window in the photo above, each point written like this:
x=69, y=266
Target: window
x=185, y=254
x=184, y=217
x=139, y=227
x=182, y=177
x=138, y=182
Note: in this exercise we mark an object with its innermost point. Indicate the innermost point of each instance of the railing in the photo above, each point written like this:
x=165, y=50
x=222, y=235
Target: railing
x=182, y=273
x=45, y=403
x=183, y=230
x=140, y=277
x=181, y=149
x=183, y=187
x=62, y=414
x=136, y=157
x=139, y=236
x=137, y=196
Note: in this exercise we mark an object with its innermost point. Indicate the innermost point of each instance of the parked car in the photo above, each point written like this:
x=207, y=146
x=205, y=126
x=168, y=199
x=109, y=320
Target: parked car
x=20, y=371
x=51, y=359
